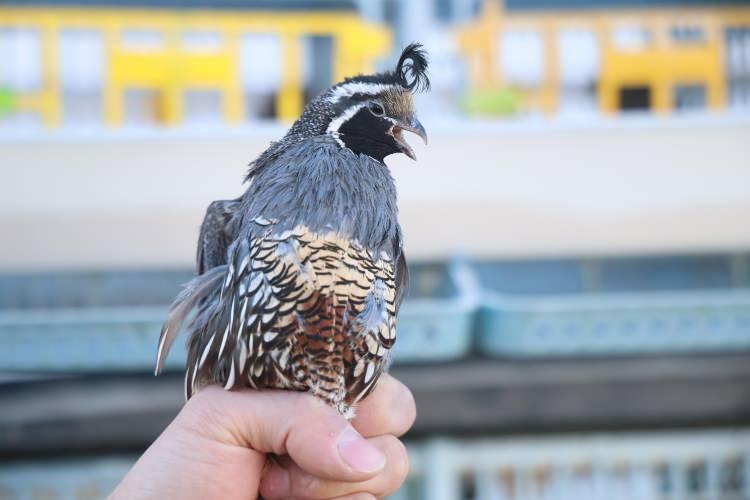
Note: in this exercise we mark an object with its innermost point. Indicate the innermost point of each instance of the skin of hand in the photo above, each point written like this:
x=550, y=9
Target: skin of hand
x=216, y=448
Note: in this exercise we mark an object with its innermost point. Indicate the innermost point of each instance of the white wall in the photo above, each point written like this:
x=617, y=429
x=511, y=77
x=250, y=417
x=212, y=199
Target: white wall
x=626, y=186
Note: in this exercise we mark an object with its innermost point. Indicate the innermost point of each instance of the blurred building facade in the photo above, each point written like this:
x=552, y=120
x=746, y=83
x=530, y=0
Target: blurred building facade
x=227, y=62
x=616, y=55
x=170, y=62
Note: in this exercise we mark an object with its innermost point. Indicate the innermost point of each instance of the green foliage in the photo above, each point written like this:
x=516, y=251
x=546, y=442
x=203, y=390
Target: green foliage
x=6, y=101
x=501, y=102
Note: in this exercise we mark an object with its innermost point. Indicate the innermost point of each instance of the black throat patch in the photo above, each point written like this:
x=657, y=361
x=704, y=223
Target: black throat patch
x=368, y=134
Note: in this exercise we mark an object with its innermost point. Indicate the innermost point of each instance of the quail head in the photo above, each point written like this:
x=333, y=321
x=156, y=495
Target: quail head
x=300, y=279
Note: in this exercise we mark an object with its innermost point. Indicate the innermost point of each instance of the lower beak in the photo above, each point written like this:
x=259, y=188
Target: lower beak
x=413, y=126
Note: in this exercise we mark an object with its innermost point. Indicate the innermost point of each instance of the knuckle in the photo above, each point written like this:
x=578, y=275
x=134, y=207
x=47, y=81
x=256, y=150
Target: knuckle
x=403, y=409
x=400, y=462
x=409, y=407
x=397, y=470
x=393, y=411
x=306, y=485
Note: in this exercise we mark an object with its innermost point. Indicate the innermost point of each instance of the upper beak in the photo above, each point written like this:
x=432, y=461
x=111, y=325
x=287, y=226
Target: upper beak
x=412, y=126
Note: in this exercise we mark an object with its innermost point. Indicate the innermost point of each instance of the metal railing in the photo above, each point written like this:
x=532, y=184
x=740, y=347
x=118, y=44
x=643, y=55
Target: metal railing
x=684, y=465
x=666, y=465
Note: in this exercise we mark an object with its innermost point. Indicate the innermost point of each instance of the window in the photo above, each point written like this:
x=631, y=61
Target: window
x=82, y=108
x=201, y=41
x=141, y=106
x=391, y=11
x=20, y=59
x=202, y=106
x=631, y=37
x=579, y=57
x=689, y=97
x=738, y=66
x=444, y=10
x=687, y=34
x=260, y=64
x=81, y=75
x=457, y=10
x=476, y=7
x=142, y=40
x=260, y=60
x=738, y=52
x=578, y=100
x=317, y=64
x=579, y=70
x=81, y=60
x=521, y=57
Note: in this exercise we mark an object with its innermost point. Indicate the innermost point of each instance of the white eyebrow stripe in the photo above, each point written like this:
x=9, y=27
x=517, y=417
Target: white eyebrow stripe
x=351, y=88
x=333, y=127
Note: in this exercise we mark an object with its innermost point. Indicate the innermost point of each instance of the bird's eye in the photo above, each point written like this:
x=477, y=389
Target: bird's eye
x=376, y=109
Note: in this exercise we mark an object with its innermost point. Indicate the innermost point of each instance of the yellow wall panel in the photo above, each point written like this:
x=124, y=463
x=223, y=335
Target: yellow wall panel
x=172, y=69
x=661, y=64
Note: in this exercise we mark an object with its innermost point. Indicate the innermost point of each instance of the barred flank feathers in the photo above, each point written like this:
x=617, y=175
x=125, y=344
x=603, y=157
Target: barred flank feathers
x=195, y=290
x=297, y=310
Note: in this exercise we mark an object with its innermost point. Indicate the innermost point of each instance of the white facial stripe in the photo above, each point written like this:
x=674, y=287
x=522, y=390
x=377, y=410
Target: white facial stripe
x=351, y=88
x=333, y=127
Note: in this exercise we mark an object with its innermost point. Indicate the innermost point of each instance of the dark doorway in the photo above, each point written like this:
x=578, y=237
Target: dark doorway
x=635, y=98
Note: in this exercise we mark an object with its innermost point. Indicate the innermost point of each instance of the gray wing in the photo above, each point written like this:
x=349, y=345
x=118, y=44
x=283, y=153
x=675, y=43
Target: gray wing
x=218, y=230
x=401, y=271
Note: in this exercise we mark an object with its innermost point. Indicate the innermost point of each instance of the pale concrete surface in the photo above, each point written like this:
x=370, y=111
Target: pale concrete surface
x=628, y=186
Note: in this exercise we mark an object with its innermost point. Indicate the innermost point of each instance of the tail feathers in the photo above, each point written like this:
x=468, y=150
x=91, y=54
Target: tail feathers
x=195, y=290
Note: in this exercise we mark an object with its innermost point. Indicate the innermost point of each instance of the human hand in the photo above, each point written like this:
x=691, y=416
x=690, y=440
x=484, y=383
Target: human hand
x=216, y=448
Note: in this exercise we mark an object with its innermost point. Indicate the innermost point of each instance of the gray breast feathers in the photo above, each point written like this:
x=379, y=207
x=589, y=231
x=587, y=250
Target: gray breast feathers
x=325, y=187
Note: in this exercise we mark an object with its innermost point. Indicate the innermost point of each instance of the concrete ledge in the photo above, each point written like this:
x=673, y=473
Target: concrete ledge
x=605, y=187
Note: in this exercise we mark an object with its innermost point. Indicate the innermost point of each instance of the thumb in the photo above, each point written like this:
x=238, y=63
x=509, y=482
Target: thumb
x=316, y=437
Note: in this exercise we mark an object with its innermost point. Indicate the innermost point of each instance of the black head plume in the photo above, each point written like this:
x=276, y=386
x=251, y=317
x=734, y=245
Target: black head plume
x=410, y=72
x=411, y=69
x=366, y=113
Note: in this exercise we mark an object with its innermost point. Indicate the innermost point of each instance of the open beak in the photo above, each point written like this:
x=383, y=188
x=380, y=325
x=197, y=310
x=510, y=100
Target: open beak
x=413, y=126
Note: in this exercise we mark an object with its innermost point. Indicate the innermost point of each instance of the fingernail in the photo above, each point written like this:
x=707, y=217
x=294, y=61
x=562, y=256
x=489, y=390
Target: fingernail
x=358, y=453
x=275, y=481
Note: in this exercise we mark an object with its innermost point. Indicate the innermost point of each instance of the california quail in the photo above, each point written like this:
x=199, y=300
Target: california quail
x=300, y=279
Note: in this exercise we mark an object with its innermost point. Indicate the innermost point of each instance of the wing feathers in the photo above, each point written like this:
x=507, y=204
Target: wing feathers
x=195, y=291
x=218, y=230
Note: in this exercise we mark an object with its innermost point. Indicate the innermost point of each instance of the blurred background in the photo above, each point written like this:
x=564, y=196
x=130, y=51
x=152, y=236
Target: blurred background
x=578, y=325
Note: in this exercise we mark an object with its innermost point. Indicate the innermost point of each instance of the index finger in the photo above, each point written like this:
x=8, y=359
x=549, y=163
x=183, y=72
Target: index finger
x=389, y=409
